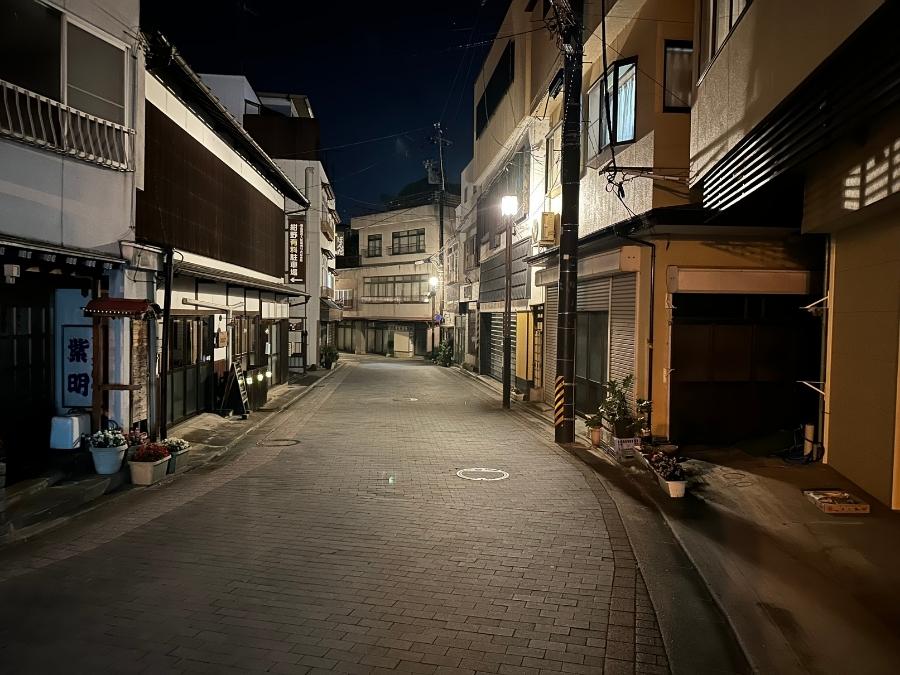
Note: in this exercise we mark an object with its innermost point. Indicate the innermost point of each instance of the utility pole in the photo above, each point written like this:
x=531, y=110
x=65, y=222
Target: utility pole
x=571, y=23
x=169, y=273
x=441, y=142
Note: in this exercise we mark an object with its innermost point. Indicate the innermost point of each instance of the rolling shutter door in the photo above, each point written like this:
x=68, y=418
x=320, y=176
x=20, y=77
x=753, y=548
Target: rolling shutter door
x=622, y=326
x=593, y=295
x=551, y=306
x=496, y=343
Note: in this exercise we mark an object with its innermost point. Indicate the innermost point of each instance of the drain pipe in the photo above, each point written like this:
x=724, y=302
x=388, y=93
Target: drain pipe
x=169, y=271
x=650, y=332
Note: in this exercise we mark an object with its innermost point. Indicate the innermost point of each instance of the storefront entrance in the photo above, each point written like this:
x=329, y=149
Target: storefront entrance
x=591, y=360
x=190, y=367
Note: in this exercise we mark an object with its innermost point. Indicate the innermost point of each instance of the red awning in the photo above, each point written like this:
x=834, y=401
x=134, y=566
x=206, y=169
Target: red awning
x=120, y=308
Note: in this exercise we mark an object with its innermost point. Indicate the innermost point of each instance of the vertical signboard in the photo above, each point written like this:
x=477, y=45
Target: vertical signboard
x=296, y=255
x=78, y=366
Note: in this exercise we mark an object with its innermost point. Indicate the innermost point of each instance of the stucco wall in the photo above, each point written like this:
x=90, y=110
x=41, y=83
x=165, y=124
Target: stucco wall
x=760, y=64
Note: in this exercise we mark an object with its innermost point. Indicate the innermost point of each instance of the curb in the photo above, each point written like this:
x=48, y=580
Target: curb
x=26, y=534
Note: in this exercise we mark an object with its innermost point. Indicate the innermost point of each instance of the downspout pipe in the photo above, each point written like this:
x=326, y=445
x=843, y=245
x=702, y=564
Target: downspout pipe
x=169, y=273
x=650, y=332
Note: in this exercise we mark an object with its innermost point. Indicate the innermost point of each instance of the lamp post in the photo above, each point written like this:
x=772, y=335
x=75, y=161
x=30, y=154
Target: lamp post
x=509, y=207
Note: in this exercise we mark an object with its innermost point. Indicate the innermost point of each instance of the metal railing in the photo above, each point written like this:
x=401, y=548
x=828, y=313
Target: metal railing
x=39, y=121
x=393, y=299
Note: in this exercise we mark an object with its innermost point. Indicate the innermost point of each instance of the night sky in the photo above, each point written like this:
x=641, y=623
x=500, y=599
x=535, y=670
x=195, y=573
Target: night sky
x=371, y=69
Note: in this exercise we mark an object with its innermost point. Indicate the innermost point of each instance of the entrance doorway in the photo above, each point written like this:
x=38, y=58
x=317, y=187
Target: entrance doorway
x=190, y=367
x=591, y=360
x=736, y=362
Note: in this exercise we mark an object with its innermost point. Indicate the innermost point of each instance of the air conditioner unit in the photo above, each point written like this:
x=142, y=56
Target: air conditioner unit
x=546, y=230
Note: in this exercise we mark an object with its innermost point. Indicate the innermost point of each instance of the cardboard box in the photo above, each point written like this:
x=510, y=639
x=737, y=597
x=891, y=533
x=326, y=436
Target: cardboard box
x=833, y=500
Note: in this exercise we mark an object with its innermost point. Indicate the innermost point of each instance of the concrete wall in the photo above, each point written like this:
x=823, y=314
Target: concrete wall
x=232, y=91
x=773, y=48
x=400, y=220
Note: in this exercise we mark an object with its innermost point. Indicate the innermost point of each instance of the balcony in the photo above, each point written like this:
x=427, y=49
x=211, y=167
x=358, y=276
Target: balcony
x=39, y=121
x=393, y=300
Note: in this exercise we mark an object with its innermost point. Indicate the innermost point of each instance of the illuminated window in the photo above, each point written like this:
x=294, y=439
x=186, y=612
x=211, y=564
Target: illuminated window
x=677, y=76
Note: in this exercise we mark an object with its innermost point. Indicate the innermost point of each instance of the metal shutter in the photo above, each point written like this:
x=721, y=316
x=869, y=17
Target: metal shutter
x=622, y=325
x=496, y=343
x=593, y=295
x=551, y=308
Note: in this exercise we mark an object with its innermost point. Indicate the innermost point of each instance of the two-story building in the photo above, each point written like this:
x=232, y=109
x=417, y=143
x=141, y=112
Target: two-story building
x=391, y=300
x=71, y=117
x=212, y=203
x=818, y=125
x=287, y=129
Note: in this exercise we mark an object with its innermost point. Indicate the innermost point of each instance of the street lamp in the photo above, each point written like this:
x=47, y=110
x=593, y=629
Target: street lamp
x=509, y=207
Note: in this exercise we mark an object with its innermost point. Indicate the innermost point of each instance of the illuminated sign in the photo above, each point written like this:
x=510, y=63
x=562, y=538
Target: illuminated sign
x=296, y=258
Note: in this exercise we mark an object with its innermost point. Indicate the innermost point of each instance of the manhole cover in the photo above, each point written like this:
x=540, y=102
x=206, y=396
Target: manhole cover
x=278, y=442
x=482, y=473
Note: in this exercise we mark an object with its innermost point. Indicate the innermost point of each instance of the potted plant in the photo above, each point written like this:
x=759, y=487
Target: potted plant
x=134, y=439
x=177, y=447
x=444, y=354
x=108, y=447
x=330, y=355
x=668, y=472
x=621, y=427
x=149, y=464
x=595, y=424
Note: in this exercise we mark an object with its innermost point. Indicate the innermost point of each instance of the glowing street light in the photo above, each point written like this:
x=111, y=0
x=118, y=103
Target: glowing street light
x=509, y=205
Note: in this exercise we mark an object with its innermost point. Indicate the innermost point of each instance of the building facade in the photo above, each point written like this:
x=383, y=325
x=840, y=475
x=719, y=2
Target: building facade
x=813, y=125
x=391, y=301
x=67, y=136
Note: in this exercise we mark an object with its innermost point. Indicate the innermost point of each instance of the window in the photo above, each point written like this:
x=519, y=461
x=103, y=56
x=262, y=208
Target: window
x=397, y=288
x=409, y=241
x=677, y=76
x=591, y=359
x=613, y=108
x=95, y=75
x=717, y=19
x=31, y=39
x=251, y=107
x=453, y=263
x=373, y=250
x=553, y=160
x=472, y=250
x=497, y=86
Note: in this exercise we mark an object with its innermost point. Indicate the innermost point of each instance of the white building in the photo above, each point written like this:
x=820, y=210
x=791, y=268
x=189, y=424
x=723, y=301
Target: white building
x=70, y=159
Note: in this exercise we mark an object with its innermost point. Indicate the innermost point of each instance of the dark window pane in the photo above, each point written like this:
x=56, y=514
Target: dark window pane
x=29, y=46
x=95, y=75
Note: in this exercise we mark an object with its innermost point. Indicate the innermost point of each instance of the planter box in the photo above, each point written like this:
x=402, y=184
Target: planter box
x=148, y=473
x=108, y=461
x=673, y=488
x=622, y=449
x=177, y=460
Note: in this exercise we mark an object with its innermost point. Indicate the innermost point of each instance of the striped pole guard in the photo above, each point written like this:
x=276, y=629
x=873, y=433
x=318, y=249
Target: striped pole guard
x=559, y=401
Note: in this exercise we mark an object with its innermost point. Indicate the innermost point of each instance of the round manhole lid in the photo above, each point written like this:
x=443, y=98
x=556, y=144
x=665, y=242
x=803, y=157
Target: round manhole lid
x=482, y=473
x=278, y=442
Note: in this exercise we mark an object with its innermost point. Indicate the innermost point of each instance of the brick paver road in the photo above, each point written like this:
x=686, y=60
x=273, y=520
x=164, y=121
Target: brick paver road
x=357, y=550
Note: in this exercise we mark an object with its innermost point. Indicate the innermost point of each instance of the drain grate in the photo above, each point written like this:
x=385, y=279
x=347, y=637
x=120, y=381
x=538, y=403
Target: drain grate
x=482, y=473
x=278, y=442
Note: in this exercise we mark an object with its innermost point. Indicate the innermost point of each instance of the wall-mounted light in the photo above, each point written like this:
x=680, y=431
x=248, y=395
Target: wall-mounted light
x=259, y=377
x=509, y=205
x=249, y=380
x=269, y=374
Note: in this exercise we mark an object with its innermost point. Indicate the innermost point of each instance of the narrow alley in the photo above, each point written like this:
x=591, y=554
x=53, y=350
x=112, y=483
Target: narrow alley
x=342, y=539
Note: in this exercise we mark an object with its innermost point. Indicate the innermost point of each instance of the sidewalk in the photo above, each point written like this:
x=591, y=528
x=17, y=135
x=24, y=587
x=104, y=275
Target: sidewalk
x=804, y=591
x=45, y=503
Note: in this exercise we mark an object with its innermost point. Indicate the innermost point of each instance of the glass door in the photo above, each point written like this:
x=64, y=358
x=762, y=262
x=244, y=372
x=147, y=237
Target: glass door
x=591, y=360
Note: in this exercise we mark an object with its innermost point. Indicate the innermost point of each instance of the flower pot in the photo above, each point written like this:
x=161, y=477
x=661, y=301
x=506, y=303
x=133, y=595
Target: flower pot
x=177, y=459
x=673, y=488
x=108, y=461
x=596, y=436
x=148, y=473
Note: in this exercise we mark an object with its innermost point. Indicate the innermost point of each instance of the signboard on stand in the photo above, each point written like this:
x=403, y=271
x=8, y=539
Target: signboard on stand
x=296, y=254
x=78, y=366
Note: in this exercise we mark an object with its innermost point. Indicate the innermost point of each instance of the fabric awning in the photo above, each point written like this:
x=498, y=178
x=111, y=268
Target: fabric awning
x=122, y=308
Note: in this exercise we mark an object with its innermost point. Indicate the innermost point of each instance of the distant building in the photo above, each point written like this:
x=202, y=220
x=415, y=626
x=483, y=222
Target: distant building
x=391, y=301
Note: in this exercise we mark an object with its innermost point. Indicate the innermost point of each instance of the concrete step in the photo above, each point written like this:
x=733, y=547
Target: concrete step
x=58, y=500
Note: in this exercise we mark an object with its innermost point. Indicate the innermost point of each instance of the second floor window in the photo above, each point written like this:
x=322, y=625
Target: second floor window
x=373, y=250
x=410, y=241
x=677, y=76
x=396, y=288
x=717, y=19
x=613, y=108
x=553, y=160
x=472, y=250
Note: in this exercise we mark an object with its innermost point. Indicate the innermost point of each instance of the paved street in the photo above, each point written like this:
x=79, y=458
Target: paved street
x=342, y=540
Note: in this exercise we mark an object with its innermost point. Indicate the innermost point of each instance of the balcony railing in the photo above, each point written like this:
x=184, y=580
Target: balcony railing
x=39, y=121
